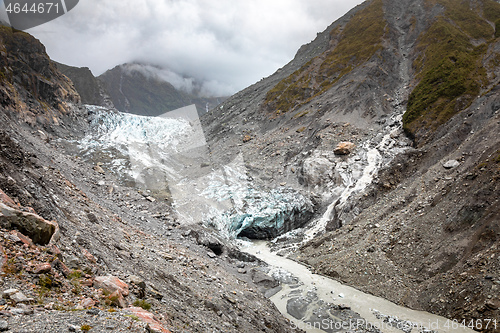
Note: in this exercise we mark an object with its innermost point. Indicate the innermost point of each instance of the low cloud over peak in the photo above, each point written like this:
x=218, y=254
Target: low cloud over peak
x=226, y=44
x=195, y=86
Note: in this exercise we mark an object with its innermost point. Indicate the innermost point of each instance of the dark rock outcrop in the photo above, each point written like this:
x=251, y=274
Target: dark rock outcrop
x=91, y=90
x=31, y=86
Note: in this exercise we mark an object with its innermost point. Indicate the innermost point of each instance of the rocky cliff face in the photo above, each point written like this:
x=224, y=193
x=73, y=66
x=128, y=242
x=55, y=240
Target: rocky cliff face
x=427, y=223
x=31, y=87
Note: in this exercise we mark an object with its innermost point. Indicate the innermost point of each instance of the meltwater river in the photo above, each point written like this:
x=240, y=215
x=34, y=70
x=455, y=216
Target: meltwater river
x=325, y=298
x=168, y=155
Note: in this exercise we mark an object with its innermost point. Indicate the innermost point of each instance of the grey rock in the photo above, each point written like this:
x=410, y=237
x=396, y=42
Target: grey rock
x=137, y=281
x=9, y=292
x=94, y=312
x=271, y=292
x=13, y=238
x=208, y=240
x=72, y=262
x=451, y=164
x=317, y=171
x=262, y=279
x=4, y=326
x=297, y=307
x=17, y=311
x=312, y=295
x=20, y=298
x=285, y=277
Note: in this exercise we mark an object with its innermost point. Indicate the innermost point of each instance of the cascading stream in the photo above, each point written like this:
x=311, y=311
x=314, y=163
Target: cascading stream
x=374, y=159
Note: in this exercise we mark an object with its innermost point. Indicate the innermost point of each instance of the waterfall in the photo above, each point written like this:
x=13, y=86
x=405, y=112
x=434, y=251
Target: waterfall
x=373, y=157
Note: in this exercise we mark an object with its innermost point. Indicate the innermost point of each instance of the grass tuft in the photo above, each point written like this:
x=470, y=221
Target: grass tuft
x=142, y=304
x=86, y=328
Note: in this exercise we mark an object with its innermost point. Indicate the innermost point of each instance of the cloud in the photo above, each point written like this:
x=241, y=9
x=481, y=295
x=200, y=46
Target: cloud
x=230, y=44
x=186, y=84
x=206, y=88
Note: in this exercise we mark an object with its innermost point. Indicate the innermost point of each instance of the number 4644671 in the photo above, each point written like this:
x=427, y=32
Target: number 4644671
x=477, y=324
x=38, y=8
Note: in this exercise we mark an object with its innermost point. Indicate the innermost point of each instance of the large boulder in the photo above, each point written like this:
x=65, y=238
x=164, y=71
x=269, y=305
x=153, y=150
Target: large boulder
x=317, y=170
x=35, y=227
x=207, y=239
x=451, y=164
x=154, y=325
x=261, y=279
x=297, y=307
x=110, y=284
x=344, y=148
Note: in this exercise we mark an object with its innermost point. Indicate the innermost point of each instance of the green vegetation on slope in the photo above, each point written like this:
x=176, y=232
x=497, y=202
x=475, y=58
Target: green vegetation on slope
x=491, y=11
x=357, y=43
x=449, y=65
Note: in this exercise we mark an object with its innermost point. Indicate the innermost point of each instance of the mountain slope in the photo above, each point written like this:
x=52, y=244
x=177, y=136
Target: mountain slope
x=453, y=59
x=350, y=46
x=426, y=225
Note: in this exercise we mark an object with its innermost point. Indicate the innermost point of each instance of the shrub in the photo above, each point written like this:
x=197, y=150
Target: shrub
x=142, y=304
x=86, y=328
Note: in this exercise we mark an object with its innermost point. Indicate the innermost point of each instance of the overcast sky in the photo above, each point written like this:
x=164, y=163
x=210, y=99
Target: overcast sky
x=231, y=43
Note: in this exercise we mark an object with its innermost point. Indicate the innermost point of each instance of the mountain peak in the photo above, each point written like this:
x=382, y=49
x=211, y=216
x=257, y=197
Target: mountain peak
x=147, y=89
